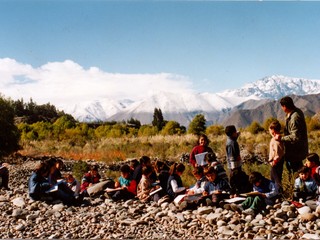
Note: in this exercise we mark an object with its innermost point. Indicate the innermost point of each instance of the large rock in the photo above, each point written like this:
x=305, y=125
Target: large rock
x=99, y=188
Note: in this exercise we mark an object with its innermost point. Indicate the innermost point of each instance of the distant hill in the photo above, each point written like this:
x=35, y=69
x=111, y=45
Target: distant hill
x=242, y=116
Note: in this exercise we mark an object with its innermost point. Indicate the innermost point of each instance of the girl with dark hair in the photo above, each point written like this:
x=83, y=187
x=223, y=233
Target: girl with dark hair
x=312, y=162
x=40, y=189
x=202, y=147
x=174, y=185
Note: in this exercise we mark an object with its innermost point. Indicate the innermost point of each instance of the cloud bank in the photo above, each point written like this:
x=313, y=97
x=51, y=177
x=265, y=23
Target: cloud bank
x=68, y=83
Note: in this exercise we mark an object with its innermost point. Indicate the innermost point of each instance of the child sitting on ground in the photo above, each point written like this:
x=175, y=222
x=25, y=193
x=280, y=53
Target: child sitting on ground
x=126, y=185
x=40, y=188
x=216, y=188
x=305, y=187
x=198, y=173
x=312, y=162
x=198, y=188
x=4, y=174
x=145, y=185
x=174, y=185
x=90, y=178
x=73, y=184
x=264, y=193
x=211, y=160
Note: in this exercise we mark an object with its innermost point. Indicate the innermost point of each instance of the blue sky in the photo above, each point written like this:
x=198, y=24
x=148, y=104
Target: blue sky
x=201, y=46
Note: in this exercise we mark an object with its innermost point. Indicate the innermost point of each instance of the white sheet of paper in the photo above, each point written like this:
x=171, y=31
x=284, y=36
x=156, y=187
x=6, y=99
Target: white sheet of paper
x=200, y=158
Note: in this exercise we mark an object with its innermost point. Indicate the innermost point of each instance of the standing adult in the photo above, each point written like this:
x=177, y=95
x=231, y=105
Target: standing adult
x=295, y=136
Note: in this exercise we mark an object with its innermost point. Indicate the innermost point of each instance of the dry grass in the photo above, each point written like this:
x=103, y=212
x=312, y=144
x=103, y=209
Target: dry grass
x=111, y=150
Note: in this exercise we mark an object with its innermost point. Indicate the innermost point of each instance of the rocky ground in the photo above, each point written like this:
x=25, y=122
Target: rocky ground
x=101, y=218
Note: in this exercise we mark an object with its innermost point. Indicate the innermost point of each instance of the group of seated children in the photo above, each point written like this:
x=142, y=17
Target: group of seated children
x=46, y=183
x=149, y=182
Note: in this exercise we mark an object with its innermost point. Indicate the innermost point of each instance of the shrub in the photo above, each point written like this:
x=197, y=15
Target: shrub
x=9, y=134
x=79, y=169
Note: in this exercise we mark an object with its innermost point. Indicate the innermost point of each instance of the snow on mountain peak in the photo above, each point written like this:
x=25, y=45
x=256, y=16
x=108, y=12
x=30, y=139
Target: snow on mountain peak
x=275, y=87
x=186, y=104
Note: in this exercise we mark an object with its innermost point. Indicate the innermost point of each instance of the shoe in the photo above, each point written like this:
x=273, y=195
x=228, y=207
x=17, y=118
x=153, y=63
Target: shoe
x=227, y=206
x=249, y=211
x=183, y=205
x=209, y=202
x=236, y=207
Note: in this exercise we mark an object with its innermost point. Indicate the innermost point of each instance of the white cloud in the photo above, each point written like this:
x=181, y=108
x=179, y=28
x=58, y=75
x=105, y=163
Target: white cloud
x=67, y=83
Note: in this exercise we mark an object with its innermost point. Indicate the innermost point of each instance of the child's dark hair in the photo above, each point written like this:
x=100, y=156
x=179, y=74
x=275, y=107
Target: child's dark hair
x=42, y=168
x=210, y=170
x=93, y=168
x=125, y=168
x=176, y=167
x=134, y=163
x=255, y=177
x=159, y=166
x=210, y=157
x=229, y=130
x=198, y=171
x=275, y=125
x=144, y=160
x=146, y=170
x=313, y=157
x=304, y=170
x=205, y=137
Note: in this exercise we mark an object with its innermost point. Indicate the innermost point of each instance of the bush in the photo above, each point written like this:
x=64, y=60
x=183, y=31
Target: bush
x=79, y=169
x=9, y=134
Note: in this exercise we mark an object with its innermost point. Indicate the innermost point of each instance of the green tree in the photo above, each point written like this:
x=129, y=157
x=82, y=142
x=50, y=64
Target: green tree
x=158, y=120
x=134, y=123
x=197, y=125
x=9, y=134
x=172, y=128
x=61, y=124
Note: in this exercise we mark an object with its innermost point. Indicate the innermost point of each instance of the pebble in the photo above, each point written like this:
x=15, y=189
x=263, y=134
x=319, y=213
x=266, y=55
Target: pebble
x=104, y=219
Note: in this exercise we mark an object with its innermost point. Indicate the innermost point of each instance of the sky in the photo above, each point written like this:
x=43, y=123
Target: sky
x=66, y=51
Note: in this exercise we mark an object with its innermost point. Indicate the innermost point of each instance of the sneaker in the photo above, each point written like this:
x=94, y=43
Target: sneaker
x=236, y=207
x=249, y=211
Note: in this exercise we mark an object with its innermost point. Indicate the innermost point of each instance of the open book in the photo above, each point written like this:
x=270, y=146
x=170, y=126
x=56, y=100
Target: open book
x=155, y=191
x=188, y=198
x=200, y=158
x=113, y=189
x=254, y=193
x=56, y=186
x=235, y=200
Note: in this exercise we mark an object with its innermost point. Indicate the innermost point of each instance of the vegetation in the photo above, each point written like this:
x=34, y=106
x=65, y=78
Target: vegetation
x=197, y=125
x=42, y=130
x=9, y=135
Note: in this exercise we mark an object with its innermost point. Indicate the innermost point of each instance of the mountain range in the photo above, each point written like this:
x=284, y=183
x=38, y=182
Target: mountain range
x=255, y=101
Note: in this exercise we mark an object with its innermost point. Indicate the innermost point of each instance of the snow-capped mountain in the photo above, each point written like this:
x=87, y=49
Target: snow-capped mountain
x=275, y=87
x=97, y=110
x=183, y=107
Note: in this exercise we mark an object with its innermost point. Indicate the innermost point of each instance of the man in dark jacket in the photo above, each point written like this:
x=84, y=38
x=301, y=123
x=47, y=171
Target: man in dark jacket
x=295, y=135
